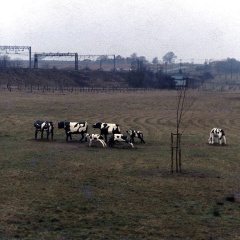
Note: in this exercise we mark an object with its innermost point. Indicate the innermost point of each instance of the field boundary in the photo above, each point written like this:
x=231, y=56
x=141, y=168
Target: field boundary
x=74, y=89
x=211, y=87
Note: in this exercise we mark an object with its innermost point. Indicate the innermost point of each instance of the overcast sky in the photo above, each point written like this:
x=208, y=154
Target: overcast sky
x=192, y=29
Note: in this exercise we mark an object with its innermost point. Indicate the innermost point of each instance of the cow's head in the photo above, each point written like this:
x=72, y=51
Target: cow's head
x=130, y=132
x=210, y=140
x=97, y=125
x=61, y=124
x=87, y=135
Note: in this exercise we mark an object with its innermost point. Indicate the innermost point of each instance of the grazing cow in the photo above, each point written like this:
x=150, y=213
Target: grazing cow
x=74, y=128
x=107, y=128
x=119, y=138
x=137, y=134
x=95, y=137
x=217, y=135
x=43, y=126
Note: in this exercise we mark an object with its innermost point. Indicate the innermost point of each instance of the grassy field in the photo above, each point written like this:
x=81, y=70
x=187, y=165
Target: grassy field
x=67, y=190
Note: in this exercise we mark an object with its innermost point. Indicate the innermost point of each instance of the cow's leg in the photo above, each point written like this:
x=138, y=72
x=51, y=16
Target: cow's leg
x=105, y=145
x=212, y=137
x=141, y=137
x=81, y=138
x=224, y=140
x=130, y=143
x=48, y=134
x=41, y=134
x=68, y=135
x=90, y=143
x=102, y=142
x=111, y=143
x=36, y=132
x=52, y=134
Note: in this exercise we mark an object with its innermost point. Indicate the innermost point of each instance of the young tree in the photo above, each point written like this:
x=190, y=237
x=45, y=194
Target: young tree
x=180, y=107
x=184, y=105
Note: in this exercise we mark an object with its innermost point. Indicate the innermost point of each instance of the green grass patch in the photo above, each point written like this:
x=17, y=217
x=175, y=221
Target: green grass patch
x=67, y=190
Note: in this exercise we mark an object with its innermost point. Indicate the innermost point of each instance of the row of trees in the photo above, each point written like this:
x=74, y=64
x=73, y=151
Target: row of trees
x=228, y=66
x=231, y=65
x=5, y=61
x=142, y=77
x=169, y=57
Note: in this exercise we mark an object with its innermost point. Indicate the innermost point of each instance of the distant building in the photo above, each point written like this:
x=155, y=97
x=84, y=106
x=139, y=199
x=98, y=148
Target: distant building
x=180, y=79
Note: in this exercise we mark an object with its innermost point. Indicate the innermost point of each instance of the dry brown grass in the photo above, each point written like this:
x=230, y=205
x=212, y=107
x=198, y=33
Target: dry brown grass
x=66, y=190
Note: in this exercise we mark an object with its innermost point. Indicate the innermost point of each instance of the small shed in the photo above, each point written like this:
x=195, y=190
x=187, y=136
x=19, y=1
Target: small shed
x=180, y=79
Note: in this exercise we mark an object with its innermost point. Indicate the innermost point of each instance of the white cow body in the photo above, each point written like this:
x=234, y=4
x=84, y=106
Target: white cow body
x=119, y=138
x=217, y=135
x=135, y=134
x=73, y=128
x=41, y=126
x=107, y=128
x=95, y=137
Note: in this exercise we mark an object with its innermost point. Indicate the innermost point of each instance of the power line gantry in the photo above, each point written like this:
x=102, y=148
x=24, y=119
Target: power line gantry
x=43, y=55
x=17, y=48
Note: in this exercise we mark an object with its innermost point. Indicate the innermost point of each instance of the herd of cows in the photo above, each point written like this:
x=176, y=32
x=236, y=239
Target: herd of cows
x=82, y=128
x=217, y=135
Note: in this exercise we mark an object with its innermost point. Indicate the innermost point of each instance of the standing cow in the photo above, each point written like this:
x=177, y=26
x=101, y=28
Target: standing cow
x=41, y=126
x=74, y=128
x=217, y=135
x=137, y=134
x=107, y=128
x=115, y=138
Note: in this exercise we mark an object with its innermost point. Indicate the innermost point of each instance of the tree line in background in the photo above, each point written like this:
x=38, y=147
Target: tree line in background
x=228, y=66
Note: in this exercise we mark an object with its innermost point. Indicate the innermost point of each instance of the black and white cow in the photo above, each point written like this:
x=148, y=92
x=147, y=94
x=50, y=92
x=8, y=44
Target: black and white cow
x=217, y=135
x=95, y=137
x=74, y=128
x=107, y=128
x=137, y=134
x=41, y=126
x=119, y=138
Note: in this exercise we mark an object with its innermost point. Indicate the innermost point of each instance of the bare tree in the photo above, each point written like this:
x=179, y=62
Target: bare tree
x=184, y=105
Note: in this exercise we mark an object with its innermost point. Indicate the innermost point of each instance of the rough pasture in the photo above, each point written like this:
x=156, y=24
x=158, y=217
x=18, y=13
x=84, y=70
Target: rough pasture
x=66, y=190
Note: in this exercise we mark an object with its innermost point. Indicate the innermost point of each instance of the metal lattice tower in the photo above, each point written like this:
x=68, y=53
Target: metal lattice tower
x=18, y=48
x=43, y=55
